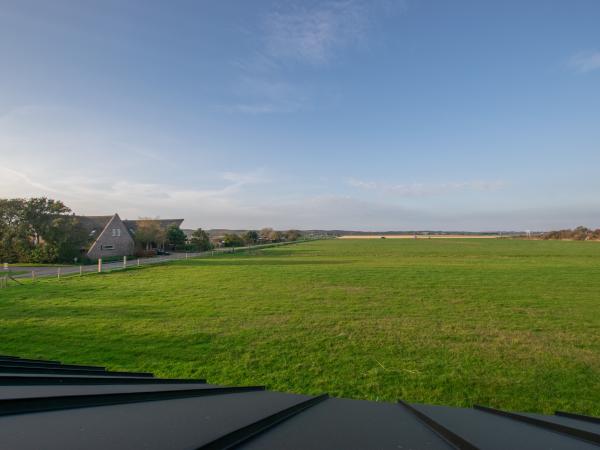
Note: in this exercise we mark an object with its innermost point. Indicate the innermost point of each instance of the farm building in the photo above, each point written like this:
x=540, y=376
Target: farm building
x=110, y=236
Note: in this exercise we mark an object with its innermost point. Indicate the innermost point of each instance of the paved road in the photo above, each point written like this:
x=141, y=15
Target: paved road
x=47, y=271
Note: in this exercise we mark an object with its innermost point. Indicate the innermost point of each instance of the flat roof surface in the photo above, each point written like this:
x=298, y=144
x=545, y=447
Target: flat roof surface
x=60, y=410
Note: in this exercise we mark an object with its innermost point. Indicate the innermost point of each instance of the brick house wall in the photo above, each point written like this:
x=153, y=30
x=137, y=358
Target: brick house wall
x=115, y=240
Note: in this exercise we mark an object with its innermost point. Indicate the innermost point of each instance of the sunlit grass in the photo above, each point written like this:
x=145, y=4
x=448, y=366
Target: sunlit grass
x=507, y=323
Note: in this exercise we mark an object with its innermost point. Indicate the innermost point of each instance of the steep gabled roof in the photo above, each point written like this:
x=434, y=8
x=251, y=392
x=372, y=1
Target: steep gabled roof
x=94, y=225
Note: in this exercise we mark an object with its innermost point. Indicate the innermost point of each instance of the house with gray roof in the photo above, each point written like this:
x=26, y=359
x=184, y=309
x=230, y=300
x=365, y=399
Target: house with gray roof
x=109, y=236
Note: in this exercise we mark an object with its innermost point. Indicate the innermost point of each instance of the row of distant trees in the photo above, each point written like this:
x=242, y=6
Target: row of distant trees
x=253, y=237
x=148, y=232
x=577, y=234
x=42, y=230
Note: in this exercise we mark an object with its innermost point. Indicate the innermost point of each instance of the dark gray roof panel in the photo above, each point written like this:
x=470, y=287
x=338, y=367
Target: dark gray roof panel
x=51, y=406
x=493, y=432
x=11, y=379
x=93, y=223
x=44, y=365
x=58, y=370
x=350, y=424
x=573, y=423
x=21, y=360
x=13, y=392
x=170, y=424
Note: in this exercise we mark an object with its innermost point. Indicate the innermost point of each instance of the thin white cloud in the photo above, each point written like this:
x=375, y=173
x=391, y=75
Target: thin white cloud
x=426, y=189
x=585, y=61
x=310, y=34
x=362, y=184
x=10, y=177
x=94, y=169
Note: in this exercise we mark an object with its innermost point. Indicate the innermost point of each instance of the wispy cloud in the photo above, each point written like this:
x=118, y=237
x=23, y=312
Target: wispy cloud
x=585, y=61
x=308, y=34
x=133, y=198
x=48, y=151
x=311, y=35
x=313, y=32
x=427, y=189
x=362, y=184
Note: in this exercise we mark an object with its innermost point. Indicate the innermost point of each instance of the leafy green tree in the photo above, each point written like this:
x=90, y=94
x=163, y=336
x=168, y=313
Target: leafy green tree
x=148, y=232
x=250, y=237
x=292, y=235
x=265, y=234
x=233, y=240
x=201, y=240
x=38, y=230
x=175, y=236
x=275, y=236
x=14, y=242
x=45, y=218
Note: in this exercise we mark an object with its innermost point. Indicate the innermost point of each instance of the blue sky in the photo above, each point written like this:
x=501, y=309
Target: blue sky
x=350, y=114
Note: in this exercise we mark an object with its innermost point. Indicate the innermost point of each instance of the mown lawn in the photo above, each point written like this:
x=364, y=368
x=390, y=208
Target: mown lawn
x=506, y=323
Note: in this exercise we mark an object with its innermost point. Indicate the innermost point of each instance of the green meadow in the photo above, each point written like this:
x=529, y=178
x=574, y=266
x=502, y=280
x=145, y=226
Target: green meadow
x=513, y=324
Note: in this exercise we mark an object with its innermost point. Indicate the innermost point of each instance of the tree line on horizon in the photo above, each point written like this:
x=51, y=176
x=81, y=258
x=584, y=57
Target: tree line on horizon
x=263, y=236
x=42, y=230
x=580, y=233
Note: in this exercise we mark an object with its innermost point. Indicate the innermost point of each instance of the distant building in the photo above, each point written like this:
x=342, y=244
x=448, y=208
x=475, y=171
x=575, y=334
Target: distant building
x=110, y=236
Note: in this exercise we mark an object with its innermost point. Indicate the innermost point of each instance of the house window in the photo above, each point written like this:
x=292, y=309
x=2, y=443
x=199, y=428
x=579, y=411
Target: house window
x=116, y=232
x=107, y=247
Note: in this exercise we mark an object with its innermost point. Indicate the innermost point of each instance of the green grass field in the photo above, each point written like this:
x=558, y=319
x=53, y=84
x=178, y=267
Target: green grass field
x=506, y=323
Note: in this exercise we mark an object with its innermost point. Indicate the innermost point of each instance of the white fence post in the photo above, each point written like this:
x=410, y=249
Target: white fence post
x=99, y=265
x=124, y=262
x=58, y=273
x=138, y=262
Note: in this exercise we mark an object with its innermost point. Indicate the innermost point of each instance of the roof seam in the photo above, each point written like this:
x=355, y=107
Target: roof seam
x=40, y=404
x=446, y=434
x=558, y=428
x=241, y=435
x=577, y=416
